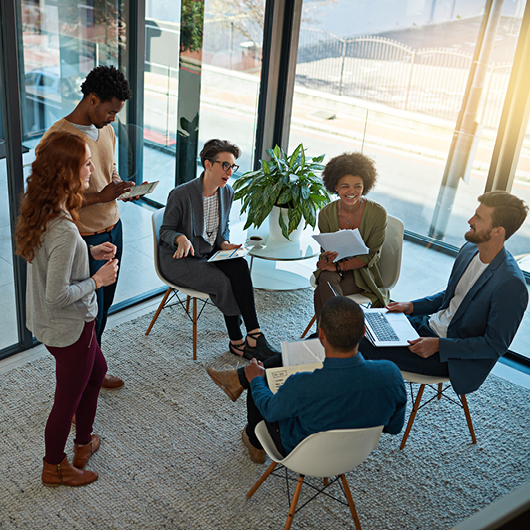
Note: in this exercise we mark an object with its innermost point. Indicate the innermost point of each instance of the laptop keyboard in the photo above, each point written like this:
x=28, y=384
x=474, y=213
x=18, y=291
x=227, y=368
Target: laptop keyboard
x=380, y=327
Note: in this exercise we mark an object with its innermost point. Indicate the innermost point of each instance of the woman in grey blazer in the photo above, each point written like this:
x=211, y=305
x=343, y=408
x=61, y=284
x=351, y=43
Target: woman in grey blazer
x=195, y=226
x=61, y=300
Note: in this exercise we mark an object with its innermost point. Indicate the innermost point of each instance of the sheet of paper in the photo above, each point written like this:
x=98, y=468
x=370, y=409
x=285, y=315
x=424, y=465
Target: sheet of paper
x=229, y=254
x=302, y=352
x=141, y=189
x=347, y=243
x=276, y=376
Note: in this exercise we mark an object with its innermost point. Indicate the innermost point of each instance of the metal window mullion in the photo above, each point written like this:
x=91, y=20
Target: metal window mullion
x=132, y=63
x=280, y=51
x=9, y=83
x=514, y=117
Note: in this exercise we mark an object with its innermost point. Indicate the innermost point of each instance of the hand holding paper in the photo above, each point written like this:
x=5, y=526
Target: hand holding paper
x=346, y=243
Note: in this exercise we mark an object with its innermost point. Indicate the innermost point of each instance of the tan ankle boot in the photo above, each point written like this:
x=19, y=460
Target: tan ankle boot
x=65, y=474
x=227, y=380
x=256, y=455
x=82, y=453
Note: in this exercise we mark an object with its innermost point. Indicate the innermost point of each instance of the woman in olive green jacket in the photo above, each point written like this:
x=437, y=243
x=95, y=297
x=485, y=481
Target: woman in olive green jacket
x=352, y=176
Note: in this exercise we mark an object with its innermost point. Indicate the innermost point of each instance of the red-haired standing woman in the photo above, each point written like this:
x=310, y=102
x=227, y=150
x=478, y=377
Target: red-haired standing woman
x=61, y=301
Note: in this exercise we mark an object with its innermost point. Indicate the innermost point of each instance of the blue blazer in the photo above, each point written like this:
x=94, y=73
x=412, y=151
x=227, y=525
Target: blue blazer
x=485, y=324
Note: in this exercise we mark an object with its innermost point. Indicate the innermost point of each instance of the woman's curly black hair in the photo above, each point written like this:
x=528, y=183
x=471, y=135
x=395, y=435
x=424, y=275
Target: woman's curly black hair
x=355, y=164
x=106, y=82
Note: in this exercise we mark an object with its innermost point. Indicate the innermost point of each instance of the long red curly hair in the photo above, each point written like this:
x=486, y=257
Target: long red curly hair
x=54, y=181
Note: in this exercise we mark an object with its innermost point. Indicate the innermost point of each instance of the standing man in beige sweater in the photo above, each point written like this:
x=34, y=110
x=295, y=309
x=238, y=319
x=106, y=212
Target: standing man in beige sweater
x=105, y=91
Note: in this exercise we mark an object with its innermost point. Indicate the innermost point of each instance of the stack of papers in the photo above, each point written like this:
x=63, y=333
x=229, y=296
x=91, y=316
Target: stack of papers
x=347, y=243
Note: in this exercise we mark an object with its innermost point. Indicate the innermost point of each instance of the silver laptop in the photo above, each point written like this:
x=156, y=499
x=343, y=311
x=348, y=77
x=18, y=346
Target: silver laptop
x=384, y=328
x=388, y=329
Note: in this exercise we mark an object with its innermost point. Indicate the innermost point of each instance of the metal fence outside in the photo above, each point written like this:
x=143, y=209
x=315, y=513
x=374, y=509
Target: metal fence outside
x=430, y=80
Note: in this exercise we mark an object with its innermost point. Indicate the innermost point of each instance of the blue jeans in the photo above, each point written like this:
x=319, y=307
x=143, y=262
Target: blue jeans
x=105, y=295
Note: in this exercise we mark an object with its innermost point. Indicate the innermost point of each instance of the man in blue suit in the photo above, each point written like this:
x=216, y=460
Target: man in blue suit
x=466, y=328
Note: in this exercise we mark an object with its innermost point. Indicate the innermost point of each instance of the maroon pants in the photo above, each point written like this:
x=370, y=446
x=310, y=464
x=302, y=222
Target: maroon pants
x=80, y=369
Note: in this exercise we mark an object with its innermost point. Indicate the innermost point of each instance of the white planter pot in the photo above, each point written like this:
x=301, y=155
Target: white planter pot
x=275, y=230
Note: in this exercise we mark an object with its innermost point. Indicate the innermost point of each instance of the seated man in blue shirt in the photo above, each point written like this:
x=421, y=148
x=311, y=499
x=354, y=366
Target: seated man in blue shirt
x=347, y=393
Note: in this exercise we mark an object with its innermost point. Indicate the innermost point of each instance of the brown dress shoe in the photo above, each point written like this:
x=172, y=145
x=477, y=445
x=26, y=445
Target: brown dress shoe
x=66, y=474
x=82, y=453
x=112, y=381
x=227, y=380
x=256, y=455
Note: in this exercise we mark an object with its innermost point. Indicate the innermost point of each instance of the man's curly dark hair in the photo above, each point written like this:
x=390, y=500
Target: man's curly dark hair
x=355, y=164
x=106, y=82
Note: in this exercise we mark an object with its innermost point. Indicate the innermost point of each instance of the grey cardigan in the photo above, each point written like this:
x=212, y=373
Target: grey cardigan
x=60, y=296
x=184, y=215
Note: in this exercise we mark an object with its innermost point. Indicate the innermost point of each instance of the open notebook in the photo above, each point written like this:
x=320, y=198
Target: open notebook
x=297, y=356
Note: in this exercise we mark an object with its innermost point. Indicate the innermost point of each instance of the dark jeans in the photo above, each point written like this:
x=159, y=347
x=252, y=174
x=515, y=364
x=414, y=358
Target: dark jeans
x=241, y=283
x=403, y=357
x=80, y=369
x=105, y=295
x=254, y=415
x=274, y=431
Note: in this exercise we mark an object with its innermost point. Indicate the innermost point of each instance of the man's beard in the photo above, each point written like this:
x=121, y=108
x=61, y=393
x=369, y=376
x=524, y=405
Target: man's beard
x=478, y=237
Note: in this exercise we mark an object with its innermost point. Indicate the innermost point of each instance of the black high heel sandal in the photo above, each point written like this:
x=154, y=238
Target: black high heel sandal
x=262, y=351
x=237, y=349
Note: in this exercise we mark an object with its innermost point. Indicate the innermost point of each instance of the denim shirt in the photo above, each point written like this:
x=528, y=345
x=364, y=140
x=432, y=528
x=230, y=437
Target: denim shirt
x=347, y=393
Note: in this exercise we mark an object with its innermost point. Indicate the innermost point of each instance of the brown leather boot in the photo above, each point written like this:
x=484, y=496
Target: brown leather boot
x=227, y=380
x=256, y=455
x=112, y=381
x=65, y=474
x=82, y=453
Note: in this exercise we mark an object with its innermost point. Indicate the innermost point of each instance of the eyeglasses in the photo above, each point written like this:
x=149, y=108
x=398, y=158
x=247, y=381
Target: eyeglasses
x=227, y=166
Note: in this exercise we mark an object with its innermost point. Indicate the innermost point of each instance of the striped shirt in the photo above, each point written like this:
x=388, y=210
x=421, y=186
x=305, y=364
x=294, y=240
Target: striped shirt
x=211, y=217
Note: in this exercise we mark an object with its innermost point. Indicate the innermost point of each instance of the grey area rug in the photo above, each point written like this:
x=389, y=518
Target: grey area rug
x=172, y=457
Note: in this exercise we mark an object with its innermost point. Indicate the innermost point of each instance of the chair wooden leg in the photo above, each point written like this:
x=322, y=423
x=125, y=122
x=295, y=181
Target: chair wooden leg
x=412, y=416
x=263, y=478
x=294, y=502
x=468, y=418
x=351, y=504
x=194, y=329
x=326, y=481
x=160, y=307
x=188, y=304
x=309, y=326
x=440, y=388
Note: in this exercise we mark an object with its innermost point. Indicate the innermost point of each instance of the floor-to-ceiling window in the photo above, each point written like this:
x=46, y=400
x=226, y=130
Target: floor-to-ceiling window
x=63, y=40
x=519, y=243
x=8, y=335
x=220, y=43
x=391, y=84
x=419, y=87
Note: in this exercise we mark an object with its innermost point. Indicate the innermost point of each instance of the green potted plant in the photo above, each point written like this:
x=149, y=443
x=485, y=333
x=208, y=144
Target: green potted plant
x=287, y=182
